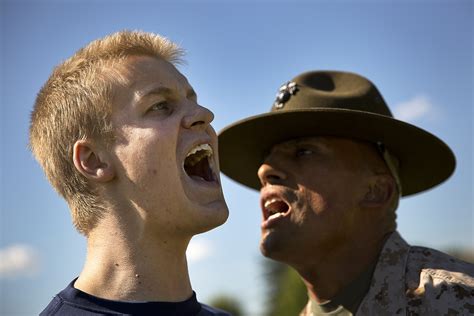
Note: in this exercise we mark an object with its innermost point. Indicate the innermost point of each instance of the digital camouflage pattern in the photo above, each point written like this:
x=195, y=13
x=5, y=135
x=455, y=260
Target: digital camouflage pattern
x=417, y=281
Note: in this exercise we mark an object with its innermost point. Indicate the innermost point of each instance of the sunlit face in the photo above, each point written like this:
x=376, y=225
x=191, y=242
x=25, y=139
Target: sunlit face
x=165, y=150
x=310, y=197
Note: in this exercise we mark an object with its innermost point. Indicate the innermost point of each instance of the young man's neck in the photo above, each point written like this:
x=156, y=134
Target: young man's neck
x=132, y=264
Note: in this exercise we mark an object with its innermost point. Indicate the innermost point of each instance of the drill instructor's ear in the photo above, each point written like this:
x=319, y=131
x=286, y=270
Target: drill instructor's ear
x=91, y=162
x=379, y=192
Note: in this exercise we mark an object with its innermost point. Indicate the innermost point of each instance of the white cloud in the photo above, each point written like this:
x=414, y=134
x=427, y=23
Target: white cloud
x=18, y=261
x=414, y=109
x=199, y=249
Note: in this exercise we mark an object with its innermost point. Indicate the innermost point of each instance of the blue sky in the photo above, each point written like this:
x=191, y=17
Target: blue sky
x=418, y=53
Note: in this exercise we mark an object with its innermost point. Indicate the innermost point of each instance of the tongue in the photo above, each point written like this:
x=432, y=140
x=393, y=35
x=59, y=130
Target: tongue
x=278, y=206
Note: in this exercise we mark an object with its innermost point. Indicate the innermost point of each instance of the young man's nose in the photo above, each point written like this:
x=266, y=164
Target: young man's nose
x=269, y=174
x=198, y=116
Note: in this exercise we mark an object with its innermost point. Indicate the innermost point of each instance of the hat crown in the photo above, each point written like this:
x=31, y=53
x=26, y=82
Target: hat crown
x=331, y=90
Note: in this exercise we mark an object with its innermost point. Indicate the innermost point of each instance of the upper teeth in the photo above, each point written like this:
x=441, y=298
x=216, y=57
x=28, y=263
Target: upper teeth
x=205, y=147
x=197, y=153
x=268, y=202
x=273, y=208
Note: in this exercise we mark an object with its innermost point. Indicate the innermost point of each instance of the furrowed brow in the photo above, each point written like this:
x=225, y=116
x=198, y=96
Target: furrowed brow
x=311, y=141
x=191, y=94
x=164, y=91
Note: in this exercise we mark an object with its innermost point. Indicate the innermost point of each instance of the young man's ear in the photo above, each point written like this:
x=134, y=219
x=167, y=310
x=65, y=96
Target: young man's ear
x=379, y=192
x=91, y=162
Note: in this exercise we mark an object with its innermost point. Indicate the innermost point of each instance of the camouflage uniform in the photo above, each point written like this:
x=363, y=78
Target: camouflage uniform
x=415, y=281
x=418, y=281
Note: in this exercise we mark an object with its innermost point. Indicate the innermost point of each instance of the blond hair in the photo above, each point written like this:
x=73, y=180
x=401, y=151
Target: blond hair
x=75, y=103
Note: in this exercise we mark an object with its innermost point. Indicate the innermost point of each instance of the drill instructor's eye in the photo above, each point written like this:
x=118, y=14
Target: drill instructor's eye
x=303, y=152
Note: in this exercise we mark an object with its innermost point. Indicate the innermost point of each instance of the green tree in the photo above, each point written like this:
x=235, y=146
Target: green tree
x=227, y=303
x=287, y=294
x=464, y=254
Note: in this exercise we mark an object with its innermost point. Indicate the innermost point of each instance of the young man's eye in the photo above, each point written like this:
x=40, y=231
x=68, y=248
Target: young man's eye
x=160, y=107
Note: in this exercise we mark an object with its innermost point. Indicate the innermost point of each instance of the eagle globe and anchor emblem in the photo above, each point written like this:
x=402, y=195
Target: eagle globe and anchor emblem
x=284, y=93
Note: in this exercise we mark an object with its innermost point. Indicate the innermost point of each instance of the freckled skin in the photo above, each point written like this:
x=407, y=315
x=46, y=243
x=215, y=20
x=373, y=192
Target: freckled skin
x=149, y=147
x=138, y=250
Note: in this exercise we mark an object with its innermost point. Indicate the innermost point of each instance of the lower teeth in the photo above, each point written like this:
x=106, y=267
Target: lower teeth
x=276, y=215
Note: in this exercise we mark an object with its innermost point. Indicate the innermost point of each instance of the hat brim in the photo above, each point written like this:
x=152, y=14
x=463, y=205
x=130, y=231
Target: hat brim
x=425, y=160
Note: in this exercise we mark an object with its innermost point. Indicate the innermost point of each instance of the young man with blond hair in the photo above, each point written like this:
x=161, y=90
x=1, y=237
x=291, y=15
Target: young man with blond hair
x=121, y=136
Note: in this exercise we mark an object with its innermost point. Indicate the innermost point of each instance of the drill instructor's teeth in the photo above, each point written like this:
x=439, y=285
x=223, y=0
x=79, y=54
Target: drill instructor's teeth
x=268, y=202
x=276, y=215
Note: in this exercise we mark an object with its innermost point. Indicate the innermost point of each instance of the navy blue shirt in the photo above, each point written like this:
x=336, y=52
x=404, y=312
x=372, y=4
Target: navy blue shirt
x=73, y=302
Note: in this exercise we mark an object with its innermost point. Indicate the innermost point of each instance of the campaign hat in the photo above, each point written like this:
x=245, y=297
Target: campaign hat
x=338, y=104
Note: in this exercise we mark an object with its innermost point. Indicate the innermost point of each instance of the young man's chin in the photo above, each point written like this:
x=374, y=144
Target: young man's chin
x=213, y=215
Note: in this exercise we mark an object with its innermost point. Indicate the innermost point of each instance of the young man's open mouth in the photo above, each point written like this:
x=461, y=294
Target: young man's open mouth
x=199, y=165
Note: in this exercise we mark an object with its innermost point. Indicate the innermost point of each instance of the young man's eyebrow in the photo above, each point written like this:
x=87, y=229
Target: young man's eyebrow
x=165, y=91
x=155, y=91
x=191, y=93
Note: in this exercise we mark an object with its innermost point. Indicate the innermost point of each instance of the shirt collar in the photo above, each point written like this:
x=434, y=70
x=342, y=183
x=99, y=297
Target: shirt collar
x=387, y=291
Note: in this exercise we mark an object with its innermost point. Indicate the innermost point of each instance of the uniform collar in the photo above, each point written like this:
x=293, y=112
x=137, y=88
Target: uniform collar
x=386, y=295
